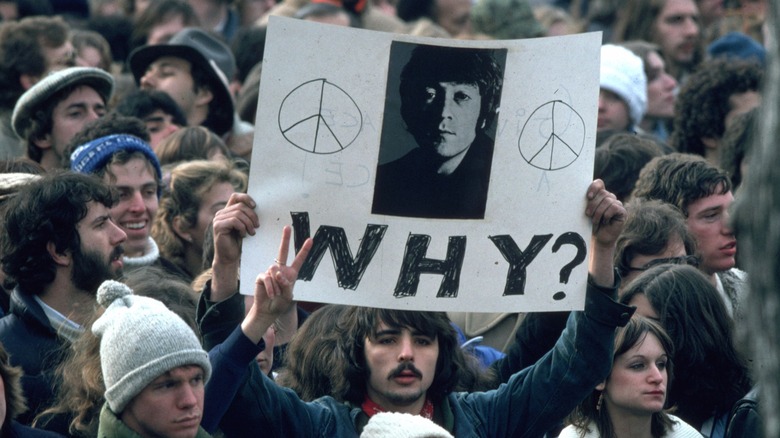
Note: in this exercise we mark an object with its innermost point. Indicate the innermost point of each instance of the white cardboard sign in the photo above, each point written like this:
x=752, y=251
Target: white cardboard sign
x=329, y=118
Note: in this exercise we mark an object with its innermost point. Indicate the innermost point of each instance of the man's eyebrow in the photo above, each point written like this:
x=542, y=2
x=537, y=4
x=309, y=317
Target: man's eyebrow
x=80, y=105
x=100, y=219
x=154, y=119
x=713, y=208
x=388, y=331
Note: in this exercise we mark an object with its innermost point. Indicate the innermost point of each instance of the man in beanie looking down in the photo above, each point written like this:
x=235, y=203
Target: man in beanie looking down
x=153, y=366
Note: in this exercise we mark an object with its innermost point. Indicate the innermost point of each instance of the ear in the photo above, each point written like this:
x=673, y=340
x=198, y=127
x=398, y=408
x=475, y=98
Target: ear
x=601, y=386
x=61, y=259
x=182, y=229
x=43, y=142
x=27, y=81
x=203, y=96
x=710, y=142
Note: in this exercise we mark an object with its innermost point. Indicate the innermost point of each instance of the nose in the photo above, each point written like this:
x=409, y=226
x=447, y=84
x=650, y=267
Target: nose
x=446, y=108
x=655, y=376
x=187, y=397
x=172, y=127
x=406, y=353
x=118, y=236
x=93, y=115
x=691, y=27
x=137, y=202
x=147, y=80
x=727, y=223
x=670, y=81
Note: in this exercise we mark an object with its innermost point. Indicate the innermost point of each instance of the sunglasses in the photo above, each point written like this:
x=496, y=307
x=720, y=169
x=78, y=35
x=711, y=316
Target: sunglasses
x=681, y=260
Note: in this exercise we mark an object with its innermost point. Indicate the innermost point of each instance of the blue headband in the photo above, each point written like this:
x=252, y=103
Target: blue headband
x=93, y=156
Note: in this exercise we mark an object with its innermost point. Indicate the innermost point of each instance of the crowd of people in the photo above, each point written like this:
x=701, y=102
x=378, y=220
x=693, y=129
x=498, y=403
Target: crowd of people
x=126, y=136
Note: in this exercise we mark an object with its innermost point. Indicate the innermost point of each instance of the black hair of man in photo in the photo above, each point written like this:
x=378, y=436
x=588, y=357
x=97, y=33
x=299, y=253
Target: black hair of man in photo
x=447, y=99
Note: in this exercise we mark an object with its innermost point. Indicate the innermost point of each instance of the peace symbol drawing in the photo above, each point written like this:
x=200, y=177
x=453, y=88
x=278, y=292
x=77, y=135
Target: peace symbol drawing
x=319, y=117
x=552, y=137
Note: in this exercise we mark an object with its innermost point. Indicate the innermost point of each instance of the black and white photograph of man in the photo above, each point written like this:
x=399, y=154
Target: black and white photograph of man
x=449, y=99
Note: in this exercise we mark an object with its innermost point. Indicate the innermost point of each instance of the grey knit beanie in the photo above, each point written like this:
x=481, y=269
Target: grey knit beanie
x=398, y=425
x=140, y=341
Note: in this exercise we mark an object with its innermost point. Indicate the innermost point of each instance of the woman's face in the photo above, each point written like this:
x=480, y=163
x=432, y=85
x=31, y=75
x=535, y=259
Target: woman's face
x=637, y=384
x=661, y=88
x=213, y=200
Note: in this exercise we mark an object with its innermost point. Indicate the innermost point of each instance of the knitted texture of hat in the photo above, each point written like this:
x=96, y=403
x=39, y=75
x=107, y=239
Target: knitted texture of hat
x=141, y=340
x=40, y=93
x=93, y=156
x=398, y=425
x=623, y=73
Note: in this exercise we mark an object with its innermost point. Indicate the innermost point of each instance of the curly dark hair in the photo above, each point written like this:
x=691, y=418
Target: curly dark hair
x=738, y=141
x=703, y=102
x=711, y=372
x=454, y=372
x=680, y=179
x=47, y=211
x=433, y=64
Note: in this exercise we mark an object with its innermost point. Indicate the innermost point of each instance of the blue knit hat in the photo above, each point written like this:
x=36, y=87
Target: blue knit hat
x=737, y=45
x=93, y=156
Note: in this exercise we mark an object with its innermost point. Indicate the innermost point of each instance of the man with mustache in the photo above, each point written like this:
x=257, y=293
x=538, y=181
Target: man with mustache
x=449, y=102
x=673, y=25
x=408, y=361
x=59, y=243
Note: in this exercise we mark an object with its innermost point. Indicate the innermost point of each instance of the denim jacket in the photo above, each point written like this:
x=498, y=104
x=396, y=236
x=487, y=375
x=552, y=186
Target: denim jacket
x=531, y=402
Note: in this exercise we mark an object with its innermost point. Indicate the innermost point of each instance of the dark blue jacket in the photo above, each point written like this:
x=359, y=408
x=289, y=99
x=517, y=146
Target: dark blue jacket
x=15, y=430
x=529, y=404
x=32, y=344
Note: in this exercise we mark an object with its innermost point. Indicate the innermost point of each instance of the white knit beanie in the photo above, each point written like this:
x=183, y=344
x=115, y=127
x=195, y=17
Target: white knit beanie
x=623, y=73
x=398, y=425
x=141, y=339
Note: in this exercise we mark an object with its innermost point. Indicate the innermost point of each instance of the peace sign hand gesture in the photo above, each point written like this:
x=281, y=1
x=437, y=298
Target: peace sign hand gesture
x=273, y=289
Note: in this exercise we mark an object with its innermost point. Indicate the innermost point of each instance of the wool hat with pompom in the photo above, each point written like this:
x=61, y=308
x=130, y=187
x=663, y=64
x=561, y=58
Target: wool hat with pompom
x=141, y=340
x=398, y=425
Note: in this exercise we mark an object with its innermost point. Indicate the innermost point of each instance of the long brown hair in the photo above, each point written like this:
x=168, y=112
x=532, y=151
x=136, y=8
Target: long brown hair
x=627, y=337
x=454, y=370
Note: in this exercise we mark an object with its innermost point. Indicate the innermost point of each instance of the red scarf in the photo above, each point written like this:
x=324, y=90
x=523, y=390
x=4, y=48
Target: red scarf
x=370, y=408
